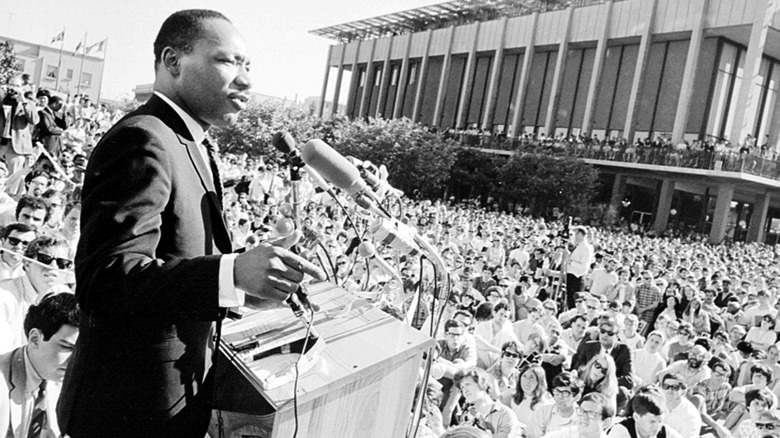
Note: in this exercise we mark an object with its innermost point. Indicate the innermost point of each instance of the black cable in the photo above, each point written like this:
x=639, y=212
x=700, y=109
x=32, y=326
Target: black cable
x=330, y=261
x=368, y=274
x=297, y=374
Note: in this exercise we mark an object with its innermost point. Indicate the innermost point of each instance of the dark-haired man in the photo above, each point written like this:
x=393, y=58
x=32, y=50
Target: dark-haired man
x=647, y=421
x=153, y=265
x=13, y=242
x=48, y=274
x=17, y=119
x=26, y=398
x=51, y=126
x=607, y=343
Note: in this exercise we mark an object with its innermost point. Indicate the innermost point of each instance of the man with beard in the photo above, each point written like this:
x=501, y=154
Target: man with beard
x=693, y=369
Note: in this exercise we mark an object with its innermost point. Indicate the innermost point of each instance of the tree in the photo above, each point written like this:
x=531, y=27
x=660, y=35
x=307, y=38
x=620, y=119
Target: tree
x=475, y=174
x=544, y=182
x=8, y=61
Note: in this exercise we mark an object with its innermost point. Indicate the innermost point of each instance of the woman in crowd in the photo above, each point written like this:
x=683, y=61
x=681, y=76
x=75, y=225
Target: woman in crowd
x=697, y=317
x=599, y=375
x=764, y=335
x=530, y=392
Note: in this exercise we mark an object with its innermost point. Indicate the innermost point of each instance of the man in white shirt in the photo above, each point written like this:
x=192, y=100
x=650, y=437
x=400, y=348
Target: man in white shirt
x=13, y=241
x=578, y=264
x=604, y=280
x=683, y=415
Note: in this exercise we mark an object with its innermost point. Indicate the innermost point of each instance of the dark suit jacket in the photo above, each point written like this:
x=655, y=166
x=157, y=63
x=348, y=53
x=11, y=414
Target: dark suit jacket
x=621, y=353
x=22, y=120
x=50, y=128
x=147, y=268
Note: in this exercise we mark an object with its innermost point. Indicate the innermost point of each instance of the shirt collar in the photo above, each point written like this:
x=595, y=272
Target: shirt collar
x=196, y=131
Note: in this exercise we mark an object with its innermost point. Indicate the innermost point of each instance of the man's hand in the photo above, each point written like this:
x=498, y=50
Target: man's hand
x=272, y=272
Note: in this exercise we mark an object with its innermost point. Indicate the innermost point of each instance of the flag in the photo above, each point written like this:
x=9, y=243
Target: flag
x=75, y=52
x=97, y=47
x=60, y=36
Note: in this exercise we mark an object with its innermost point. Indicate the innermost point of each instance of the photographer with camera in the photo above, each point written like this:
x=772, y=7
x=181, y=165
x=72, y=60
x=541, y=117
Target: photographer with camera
x=17, y=118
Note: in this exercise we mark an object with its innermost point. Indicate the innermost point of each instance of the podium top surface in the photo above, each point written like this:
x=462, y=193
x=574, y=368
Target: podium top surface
x=358, y=342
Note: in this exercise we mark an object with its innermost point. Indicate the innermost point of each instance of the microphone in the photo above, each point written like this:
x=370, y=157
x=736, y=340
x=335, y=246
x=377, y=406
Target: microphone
x=339, y=171
x=366, y=249
x=376, y=177
x=396, y=235
x=285, y=143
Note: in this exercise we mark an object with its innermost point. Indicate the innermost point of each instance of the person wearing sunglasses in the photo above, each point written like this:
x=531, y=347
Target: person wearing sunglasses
x=607, y=343
x=504, y=370
x=768, y=424
x=42, y=277
x=14, y=239
x=599, y=376
x=683, y=415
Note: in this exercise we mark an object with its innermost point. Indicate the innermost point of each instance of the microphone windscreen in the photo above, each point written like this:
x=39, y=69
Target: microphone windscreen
x=330, y=164
x=366, y=249
x=283, y=142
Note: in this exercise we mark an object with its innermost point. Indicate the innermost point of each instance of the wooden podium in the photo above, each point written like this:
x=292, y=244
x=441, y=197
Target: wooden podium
x=359, y=384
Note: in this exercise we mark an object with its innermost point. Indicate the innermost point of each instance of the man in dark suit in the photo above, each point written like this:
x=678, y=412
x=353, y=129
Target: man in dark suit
x=51, y=126
x=18, y=116
x=607, y=342
x=151, y=274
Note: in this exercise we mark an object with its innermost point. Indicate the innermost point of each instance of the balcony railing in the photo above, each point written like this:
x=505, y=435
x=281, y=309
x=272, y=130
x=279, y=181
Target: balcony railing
x=726, y=161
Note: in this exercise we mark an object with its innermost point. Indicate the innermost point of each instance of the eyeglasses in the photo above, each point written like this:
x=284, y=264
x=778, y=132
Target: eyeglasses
x=512, y=355
x=453, y=335
x=766, y=426
x=593, y=308
x=550, y=308
x=607, y=332
x=561, y=393
x=599, y=366
x=47, y=259
x=670, y=387
x=13, y=241
x=592, y=415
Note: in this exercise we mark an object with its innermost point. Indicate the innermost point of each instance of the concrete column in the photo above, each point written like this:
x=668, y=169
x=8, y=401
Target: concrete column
x=495, y=73
x=445, y=76
x=354, y=83
x=722, y=210
x=403, y=78
x=758, y=219
x=598, y=66
x=665, y=196
x=648, y=19
x=339, y=75
x=689, y=74
x=385, y=82
x=560, y=68
x=524, y=77
x=465, y=89
x=321, y=103
x=747, y=101
x=615, y=201
x=421, y=78
x=366, y=98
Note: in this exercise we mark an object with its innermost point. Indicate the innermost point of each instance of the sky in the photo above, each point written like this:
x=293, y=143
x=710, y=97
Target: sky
x=287, y=61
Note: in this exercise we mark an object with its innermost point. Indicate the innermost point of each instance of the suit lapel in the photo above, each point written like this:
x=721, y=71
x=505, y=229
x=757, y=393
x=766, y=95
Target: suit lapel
x=18, y=376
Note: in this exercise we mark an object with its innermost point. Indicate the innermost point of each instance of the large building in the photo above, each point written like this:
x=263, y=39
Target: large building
x=47, y=69
x=682, y=69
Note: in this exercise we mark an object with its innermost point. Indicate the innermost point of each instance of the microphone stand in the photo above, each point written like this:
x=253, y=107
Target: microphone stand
x=296, y=163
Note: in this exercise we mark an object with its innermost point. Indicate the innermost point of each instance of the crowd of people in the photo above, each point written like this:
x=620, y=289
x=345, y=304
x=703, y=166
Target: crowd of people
x=544, y=328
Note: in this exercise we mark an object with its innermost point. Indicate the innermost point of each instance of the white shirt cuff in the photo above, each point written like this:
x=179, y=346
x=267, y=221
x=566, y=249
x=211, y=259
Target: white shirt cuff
x=229, y=294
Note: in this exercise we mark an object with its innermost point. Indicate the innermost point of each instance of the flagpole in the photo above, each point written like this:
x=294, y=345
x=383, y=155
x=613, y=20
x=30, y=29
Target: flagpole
x=59, y=62
x=81, y=67
x=102, y=67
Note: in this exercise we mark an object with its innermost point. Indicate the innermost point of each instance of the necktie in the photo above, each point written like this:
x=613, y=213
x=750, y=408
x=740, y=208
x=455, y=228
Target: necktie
x=214, y=169
x=38, y=418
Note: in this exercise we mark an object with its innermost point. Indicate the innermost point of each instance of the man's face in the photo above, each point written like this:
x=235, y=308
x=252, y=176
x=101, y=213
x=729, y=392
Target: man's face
x=653, y=343
x=37, y=186
x=16, y=242
x=578, y=328
x=213, y=80
x=29, y=216
x=673, y=390
x=455, y=337
x=470, y=390
x=50, y=358
x=589, y=420
x=43, y=101
x=648, y=424
x=720, y=375
x=44, y=278
x=14, y=86
x=607, y=335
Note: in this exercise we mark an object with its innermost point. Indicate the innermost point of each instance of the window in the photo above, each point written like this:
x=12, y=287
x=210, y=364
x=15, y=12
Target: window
x=19, y=65
x=69, y=74
x=412, y=73
x=378, y=77
x=86, y=79
x=51, y=72
x=394, y=75
x=362, y=78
